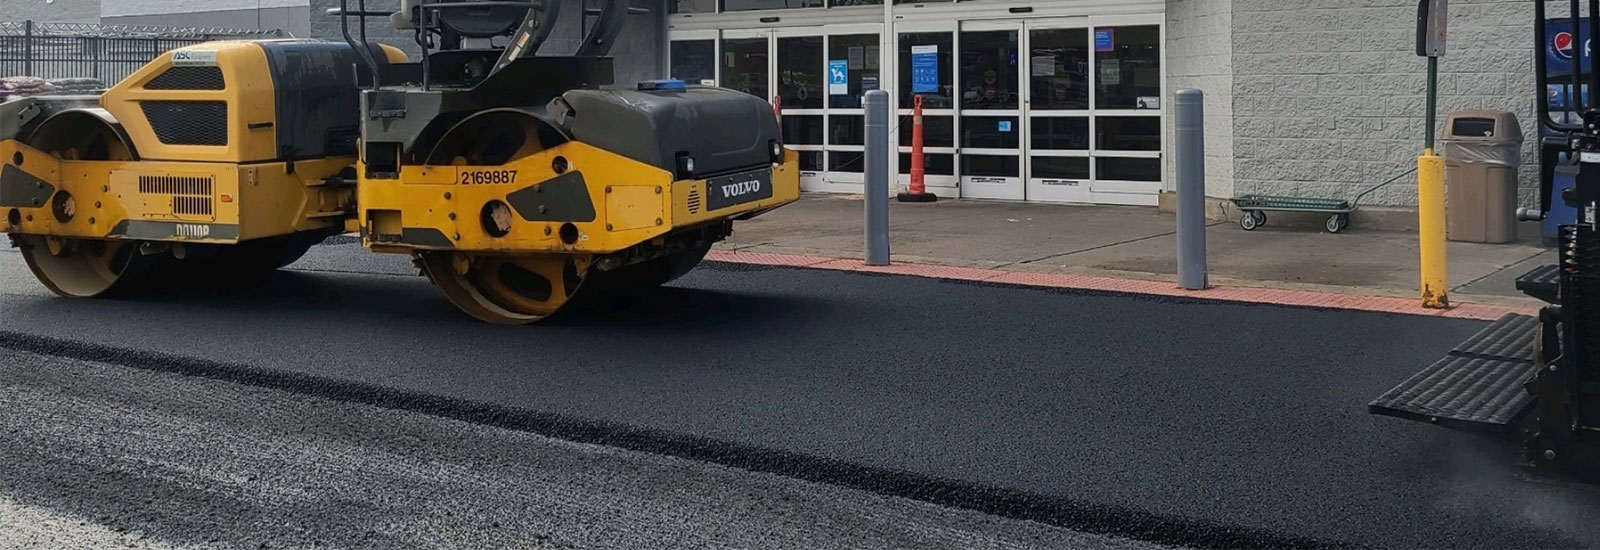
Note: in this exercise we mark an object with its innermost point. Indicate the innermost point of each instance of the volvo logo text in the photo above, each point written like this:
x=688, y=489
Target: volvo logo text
x=741, y=188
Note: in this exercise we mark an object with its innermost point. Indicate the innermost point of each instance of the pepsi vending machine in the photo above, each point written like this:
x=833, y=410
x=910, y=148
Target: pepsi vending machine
x=1560, y=113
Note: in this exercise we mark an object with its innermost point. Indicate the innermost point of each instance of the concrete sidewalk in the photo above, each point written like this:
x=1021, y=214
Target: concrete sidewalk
x=1289, y=252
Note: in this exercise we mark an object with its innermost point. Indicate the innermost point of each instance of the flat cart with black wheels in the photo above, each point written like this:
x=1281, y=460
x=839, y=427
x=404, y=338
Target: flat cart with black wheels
x=1255, y=207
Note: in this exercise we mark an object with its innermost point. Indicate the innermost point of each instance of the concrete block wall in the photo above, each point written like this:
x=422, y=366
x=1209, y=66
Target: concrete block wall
x=1199, y=46
x=51, y=11
x=1329, y=97
x=286, y=15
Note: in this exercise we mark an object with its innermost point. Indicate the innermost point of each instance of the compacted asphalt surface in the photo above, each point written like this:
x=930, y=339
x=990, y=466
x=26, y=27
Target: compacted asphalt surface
x=1161, y=420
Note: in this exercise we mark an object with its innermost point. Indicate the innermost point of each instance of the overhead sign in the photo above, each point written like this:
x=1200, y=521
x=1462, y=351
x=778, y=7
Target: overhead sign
x=925, y=69
x=839, y=76
x=1432, y=15
x=1105, y=40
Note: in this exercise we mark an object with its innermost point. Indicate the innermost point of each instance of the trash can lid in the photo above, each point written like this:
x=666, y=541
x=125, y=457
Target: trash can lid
x=1483, y=126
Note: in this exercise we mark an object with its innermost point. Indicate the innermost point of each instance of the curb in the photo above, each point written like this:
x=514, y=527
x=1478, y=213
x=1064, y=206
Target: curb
x=1226, y=293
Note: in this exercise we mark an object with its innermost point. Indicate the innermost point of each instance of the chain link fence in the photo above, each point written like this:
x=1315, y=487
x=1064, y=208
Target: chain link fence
x=103, y=52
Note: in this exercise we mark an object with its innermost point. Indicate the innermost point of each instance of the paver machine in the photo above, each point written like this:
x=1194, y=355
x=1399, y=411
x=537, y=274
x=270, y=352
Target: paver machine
x=1536, y=379
x=515, y=180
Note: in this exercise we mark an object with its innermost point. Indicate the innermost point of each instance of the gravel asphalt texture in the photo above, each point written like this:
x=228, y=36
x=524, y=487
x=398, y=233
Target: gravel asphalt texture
x=129, y=458
x=1177, y=422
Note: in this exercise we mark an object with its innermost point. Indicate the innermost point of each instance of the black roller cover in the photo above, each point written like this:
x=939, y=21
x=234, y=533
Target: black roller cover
x=723, y=130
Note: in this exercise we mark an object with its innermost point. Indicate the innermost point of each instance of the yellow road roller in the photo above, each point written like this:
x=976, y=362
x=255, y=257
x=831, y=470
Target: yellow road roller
x=515, y=180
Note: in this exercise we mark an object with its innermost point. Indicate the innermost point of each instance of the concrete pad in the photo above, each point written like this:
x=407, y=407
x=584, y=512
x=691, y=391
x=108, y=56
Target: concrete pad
x=960, y=232
x=1137, y=243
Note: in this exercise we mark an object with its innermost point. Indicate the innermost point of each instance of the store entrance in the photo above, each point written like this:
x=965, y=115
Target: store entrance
x=1053, y=109
x=1057, y=110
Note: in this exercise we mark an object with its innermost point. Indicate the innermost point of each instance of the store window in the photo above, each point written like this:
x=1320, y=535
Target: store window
x=749, y=5
x=744, y=65
x=694, y=60
x=1061, y=168
x=1128, y=133
x=1129, y=67
x=1127, y=169
x=857, y=55
x=989, y=132
x=848, y=3
x=802, y=129
x=691, y=6
x=989, y=70
x=1059, y=69
x=937, y=131
x=933, y=164
x=800, y=76
x=925, y=58
x=1062, y=133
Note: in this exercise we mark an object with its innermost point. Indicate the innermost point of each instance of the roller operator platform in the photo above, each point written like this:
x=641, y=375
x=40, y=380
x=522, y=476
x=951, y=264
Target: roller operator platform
x=515, y=180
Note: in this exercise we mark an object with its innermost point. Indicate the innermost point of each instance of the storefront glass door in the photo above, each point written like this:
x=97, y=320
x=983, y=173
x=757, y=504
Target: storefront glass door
x=1058, y=112
x=989, y=82
x=801, y=84
x=925, y=61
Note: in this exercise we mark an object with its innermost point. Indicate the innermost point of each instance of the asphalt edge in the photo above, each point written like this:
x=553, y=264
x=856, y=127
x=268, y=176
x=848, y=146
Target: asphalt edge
x=1062, y=512
x=1101, y=284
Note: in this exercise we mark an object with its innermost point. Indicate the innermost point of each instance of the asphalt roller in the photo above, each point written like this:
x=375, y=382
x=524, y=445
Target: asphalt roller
x=516, y=181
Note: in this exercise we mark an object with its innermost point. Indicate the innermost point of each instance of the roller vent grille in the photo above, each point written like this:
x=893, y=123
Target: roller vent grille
x=187, y=78
x=188, y=122
x=191, y=195
x=693, y=200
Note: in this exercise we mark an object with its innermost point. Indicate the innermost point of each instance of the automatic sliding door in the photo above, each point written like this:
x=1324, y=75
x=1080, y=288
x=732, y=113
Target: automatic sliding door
x=854, y=66
x=991, y=112
x=926, y=55
x=801, y=84
x=1058, y=114
x=1127, y=114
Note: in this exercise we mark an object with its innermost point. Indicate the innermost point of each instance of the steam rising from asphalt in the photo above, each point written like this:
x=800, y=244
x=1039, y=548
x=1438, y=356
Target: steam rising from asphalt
x=1488, y=480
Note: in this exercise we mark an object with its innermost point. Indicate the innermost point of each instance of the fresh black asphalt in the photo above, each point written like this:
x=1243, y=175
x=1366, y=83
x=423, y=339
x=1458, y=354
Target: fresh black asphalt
x=1204, y=414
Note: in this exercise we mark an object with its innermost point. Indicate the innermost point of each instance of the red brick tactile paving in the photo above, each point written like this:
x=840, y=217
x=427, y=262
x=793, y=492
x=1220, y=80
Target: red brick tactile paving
x=1277, y=296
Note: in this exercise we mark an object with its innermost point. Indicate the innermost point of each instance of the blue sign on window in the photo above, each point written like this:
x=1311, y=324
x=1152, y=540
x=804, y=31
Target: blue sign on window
x=1104, y=40
x=1005, y=126
x=924, y=69
x=839, y=76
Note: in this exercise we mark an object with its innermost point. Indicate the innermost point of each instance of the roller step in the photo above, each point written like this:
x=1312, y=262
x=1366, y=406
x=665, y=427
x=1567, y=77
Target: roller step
x=1477, y=387
x=1542, y=282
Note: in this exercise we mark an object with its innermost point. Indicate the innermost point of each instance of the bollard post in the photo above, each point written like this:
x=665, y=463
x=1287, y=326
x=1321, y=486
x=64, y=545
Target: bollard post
x=876, y=192
x=1191, y=185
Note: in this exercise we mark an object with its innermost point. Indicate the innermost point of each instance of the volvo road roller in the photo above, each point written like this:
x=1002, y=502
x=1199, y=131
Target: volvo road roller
x=515, y=180
x=1535, y=380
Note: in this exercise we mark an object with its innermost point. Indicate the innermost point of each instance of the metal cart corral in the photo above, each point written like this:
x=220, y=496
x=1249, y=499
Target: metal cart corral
x=1255, y=207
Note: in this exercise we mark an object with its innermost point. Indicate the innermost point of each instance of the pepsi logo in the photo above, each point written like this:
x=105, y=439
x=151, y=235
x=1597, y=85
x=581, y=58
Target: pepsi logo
x=1562, y=43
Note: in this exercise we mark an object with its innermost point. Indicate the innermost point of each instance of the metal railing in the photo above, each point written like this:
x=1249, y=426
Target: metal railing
x=104, y=52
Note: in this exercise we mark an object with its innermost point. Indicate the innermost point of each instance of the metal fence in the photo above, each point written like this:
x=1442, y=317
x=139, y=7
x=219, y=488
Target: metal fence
x=105, y=52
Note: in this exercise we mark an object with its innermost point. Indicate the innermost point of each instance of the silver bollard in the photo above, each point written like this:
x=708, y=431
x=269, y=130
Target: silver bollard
x=1191, y=185
x=876, y=193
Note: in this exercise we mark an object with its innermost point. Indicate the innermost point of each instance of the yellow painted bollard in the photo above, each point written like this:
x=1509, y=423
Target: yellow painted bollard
x=1430, y=228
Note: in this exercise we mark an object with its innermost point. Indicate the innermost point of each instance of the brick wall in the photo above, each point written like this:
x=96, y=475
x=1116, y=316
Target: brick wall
x=1349, y=111
x=1200, y=55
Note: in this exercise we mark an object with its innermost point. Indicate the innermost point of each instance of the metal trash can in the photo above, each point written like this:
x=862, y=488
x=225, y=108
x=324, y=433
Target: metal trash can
x=1483, y=150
